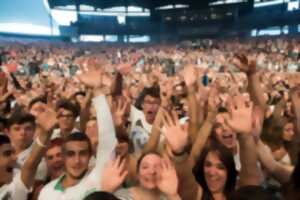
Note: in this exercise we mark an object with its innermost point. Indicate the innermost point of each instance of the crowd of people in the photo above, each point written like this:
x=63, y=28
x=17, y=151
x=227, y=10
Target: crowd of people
x=212, y=120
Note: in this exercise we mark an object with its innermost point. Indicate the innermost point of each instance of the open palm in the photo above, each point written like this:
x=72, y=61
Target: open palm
x=176, y=135
x=167, y=181
x=240, y=119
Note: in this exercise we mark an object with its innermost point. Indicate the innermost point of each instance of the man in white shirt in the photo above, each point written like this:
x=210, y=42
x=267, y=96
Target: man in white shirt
x=21, y=129
x=142, y=120
x=78, y=180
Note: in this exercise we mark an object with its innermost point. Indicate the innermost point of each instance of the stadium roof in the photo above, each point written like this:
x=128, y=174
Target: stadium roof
x=141, y=3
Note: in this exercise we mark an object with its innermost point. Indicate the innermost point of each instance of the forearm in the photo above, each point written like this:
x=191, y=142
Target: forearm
x=193, y=114
x=249, y=174
x=278, y=171
x=256, y=92
x=202, y=137
x=153, y=141
x=154, y=138
x=31, y=164
x=106, y=130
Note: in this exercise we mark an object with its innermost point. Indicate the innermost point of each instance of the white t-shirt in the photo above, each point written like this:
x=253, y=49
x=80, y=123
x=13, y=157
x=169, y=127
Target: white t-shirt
x=56, y=133
x=91, y=181
x=16, y=190
x=55, y=190
x=140, y=129
x=41, y=173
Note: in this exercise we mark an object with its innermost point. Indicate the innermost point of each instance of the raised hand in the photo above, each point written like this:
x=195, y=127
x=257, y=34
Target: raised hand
x=165, y=92
x=92, y=78
x=113, y=175
x=119, y=110
x=47, y=119
x=244, y=63
x=176, y=134
x=213, y=101
x=167, y=180
x=240, y=111
x=190, y=75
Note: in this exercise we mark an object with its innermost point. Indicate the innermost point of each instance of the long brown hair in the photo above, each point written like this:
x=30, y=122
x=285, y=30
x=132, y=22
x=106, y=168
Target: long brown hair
x=227, y=159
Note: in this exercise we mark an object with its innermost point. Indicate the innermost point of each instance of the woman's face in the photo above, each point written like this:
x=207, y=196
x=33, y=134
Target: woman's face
x=215, y=173
x=148, y=168
x=224, y=134
x=288, y=132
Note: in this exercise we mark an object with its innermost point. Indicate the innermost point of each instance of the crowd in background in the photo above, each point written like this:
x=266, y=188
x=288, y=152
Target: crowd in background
x=210, y=120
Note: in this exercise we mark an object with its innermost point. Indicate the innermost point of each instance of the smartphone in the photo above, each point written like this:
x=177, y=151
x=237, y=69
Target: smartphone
x=205, y=80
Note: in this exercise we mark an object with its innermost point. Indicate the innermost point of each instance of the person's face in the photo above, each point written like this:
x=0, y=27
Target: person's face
x=150, y=108
x=37, y=109
x=76, y=157
x=21, y=135
x=288, y=132
x=7, y=162
x=147, y=173
x=215, y=173
x=224, y=133
x=54, y=161
x=92, y=132
x=66, y=119
x=134, y=91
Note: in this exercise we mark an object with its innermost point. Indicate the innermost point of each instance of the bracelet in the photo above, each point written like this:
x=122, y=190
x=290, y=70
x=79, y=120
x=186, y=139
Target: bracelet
x=39, y=143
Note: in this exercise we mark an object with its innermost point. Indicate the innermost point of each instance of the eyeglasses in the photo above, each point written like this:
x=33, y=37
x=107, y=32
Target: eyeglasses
x=151, y=102
x=65, y=116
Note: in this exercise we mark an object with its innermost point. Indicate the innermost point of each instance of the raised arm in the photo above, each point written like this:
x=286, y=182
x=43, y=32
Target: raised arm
x=46, y=122
x=106, y=130
x=177, y=138
x=190, y=78
x=248, y=66
x=206, y=128
x=154, y=138
x=241, y=121
x=114, y=175
x=277, y=170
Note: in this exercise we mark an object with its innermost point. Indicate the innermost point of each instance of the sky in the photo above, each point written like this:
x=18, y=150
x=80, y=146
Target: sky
x=25, y=16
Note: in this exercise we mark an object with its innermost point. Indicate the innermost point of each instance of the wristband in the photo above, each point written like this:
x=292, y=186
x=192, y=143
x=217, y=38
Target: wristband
x=39, y=143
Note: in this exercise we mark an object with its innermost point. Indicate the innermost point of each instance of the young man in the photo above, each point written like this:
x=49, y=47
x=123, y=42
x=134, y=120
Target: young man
x=78, y=181
x=21, y=129
x=142, y=121
x=54, y=158
x=67, y=112
x=55, y=165
x=17, y=187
